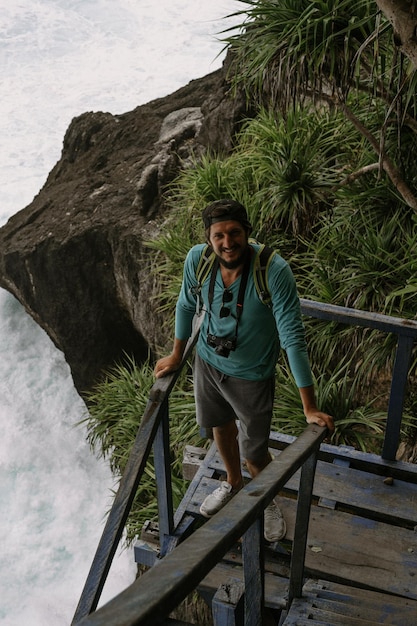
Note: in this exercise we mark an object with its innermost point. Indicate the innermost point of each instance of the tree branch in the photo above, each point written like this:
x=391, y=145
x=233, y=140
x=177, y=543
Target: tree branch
x=355, y=175
x=387, y=165
x=403, y=16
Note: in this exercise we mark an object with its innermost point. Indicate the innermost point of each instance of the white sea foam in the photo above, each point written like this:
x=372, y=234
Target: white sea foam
x=58, y=59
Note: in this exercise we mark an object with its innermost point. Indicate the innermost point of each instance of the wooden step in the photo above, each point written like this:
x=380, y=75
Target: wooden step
x=367, y=461
x=362, y=534
x=362, y=492
x=350, y=489
x=346, y=546
x=330, y=604
x=350, y=549
x=276, y=587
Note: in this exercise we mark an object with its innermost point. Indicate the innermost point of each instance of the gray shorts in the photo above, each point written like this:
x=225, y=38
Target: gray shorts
x=221, y=398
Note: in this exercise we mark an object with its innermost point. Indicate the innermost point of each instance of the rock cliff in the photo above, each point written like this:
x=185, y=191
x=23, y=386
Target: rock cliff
x=75, y=256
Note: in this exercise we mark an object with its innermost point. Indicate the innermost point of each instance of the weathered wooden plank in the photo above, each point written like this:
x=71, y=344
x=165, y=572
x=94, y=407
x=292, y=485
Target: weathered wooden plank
x=349, y=608
x=329, y=503
x=175, y=622
x=276, y=587
x=376, y=612
x=377, y=556
x=364, y=491
x=303, y=613
x=301, y=527
x=162, y=464
x=375, y=609
x=350, y=487
x=348, y=548
x=205, y=471
x=357, y=459
x=298, y=620
x=332, y=604
x=193, y=457
x=254, y=570
x=369, y=319
x=331, y=591
x=397, y=395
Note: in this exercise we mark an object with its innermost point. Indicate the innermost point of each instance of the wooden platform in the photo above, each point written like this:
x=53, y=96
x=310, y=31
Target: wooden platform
x=362, y=535
x=363, y=525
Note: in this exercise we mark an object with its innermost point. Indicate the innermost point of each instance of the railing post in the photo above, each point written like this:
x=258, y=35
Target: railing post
x=162, y=464
x=253, y=569
x=305, y=491
x=396, y=399
x=227, y=604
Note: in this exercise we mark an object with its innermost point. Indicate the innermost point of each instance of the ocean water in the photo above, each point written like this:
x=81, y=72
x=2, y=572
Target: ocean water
x=58, y=59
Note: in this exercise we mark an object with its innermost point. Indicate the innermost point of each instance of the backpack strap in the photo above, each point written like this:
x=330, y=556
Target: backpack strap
x=205, y=264
x=260, y=270
x=260, y=273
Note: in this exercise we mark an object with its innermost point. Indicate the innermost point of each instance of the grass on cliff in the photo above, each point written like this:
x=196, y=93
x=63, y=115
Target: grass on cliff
x=115, y=408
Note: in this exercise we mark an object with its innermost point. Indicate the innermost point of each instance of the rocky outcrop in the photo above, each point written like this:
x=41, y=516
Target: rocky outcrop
x=75, y=257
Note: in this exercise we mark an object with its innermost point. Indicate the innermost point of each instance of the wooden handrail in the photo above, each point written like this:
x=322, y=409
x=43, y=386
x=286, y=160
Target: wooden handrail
x=150, y=599
x=352, y=317
x=122, y=504
x=406, y=331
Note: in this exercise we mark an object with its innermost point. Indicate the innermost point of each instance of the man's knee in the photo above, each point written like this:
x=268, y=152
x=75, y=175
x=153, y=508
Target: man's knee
x=228, y=428
x=256, y=465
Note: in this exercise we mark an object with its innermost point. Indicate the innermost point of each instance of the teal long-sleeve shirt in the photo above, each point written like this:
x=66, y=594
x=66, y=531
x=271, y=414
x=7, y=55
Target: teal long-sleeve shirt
x=262, y=329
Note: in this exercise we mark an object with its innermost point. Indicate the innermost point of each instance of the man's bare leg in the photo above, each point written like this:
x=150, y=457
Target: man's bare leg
x=275, y=527
x=227, y=444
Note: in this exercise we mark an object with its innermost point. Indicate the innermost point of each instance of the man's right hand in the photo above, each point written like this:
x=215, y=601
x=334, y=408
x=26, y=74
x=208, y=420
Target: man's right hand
x=171, y=363
x=166, y=365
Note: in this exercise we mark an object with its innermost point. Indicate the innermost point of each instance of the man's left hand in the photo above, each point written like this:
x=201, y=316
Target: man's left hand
x=321, y=419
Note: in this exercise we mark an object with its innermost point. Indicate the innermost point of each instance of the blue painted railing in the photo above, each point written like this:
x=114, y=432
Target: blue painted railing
x=406, y=332
x=153, y=432
x=153, y=596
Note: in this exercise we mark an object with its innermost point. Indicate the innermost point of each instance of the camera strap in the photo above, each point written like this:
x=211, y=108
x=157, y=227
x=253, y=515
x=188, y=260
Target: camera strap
x=242, y=287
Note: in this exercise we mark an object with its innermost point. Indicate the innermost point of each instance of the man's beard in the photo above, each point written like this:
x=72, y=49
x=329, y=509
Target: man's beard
x=232, y=265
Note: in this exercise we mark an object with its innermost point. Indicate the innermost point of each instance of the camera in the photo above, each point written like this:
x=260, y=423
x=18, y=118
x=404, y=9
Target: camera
x=221, y=345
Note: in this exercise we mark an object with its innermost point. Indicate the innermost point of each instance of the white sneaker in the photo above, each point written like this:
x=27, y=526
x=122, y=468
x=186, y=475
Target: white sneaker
x=216, y=500
x=274, y=523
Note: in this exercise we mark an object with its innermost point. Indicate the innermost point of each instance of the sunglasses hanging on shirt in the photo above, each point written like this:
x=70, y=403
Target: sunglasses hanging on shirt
x=227, y=297
x=223, y=345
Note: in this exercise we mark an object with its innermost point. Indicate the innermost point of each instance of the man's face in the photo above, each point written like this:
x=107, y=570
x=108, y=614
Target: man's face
x=229, y=241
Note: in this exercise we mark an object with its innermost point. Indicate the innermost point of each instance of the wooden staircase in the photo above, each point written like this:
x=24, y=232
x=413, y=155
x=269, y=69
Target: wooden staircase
x=361, y=558
x=325, y=603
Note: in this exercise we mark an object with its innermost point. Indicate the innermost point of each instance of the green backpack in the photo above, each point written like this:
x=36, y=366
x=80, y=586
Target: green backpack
x=260, y=268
